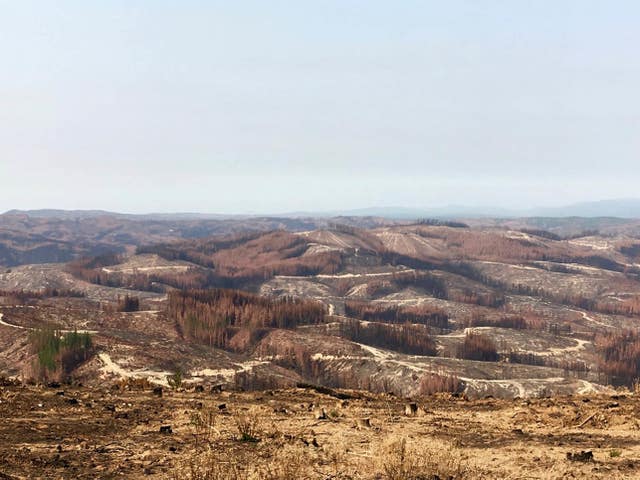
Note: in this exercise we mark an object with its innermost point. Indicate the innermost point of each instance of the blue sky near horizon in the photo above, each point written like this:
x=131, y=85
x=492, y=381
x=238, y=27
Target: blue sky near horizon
x=278, y=106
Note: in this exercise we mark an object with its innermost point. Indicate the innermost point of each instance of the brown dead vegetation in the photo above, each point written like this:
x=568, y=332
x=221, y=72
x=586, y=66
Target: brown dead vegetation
x=216, y=316
x=517, y=322
x=477, y=346
x=422, y=314
x=432, y=383
x=405, y=338
x=21, y=295
x=238, y=262
x=619, y=356
x=116, y=433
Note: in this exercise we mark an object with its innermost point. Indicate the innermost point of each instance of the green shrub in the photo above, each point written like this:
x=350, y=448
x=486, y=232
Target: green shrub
x=175, y=379
x=58, y=353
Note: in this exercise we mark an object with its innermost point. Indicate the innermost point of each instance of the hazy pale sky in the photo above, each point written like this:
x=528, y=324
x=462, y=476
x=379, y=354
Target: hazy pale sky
x=269, y=106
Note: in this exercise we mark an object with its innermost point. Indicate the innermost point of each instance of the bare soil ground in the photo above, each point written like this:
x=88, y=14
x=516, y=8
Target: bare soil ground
x=73, y=432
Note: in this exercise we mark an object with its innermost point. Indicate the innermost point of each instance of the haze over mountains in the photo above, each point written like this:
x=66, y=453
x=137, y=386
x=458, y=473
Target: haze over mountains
x=620, y=208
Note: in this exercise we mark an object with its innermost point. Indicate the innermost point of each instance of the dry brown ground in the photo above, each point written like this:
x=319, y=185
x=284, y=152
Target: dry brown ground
x=106, y=433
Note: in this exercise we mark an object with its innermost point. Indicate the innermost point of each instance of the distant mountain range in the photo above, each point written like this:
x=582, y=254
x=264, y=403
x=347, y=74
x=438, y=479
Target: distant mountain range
x=47, y=213
x=621, y=208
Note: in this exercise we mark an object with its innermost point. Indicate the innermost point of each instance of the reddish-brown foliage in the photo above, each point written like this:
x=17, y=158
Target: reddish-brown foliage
x=541, y=361
x=407, y=338
x=477, y=346
x=517, y=322
x=471, y=244
x=23, y=295
x=425, y=281
x=628, y=307
x=128, y=304
x=238, y=262
x=343, y=286
x=490, y=299
x=619, y=356
x=422, y=314
x=432, y=383
x=379, y=288
x=431, y=284
x=277, y=253
x=214, y=316
x=254, y=255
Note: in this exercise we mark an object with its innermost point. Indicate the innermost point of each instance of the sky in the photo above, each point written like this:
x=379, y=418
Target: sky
x=264, y=107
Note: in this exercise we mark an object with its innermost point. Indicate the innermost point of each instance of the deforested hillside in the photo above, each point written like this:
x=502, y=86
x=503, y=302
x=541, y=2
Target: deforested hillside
x=51, y=236
x=231, y=319
x=392, y=309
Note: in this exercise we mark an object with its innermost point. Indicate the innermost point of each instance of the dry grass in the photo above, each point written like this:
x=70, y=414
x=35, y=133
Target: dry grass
x=290, y=463
x=258, y=453
x=250, y=426
x=398, y=460
x=394, y=460
x=203, y=424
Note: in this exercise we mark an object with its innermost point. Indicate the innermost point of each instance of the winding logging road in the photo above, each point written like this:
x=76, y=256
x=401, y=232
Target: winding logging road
x=20, y=327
